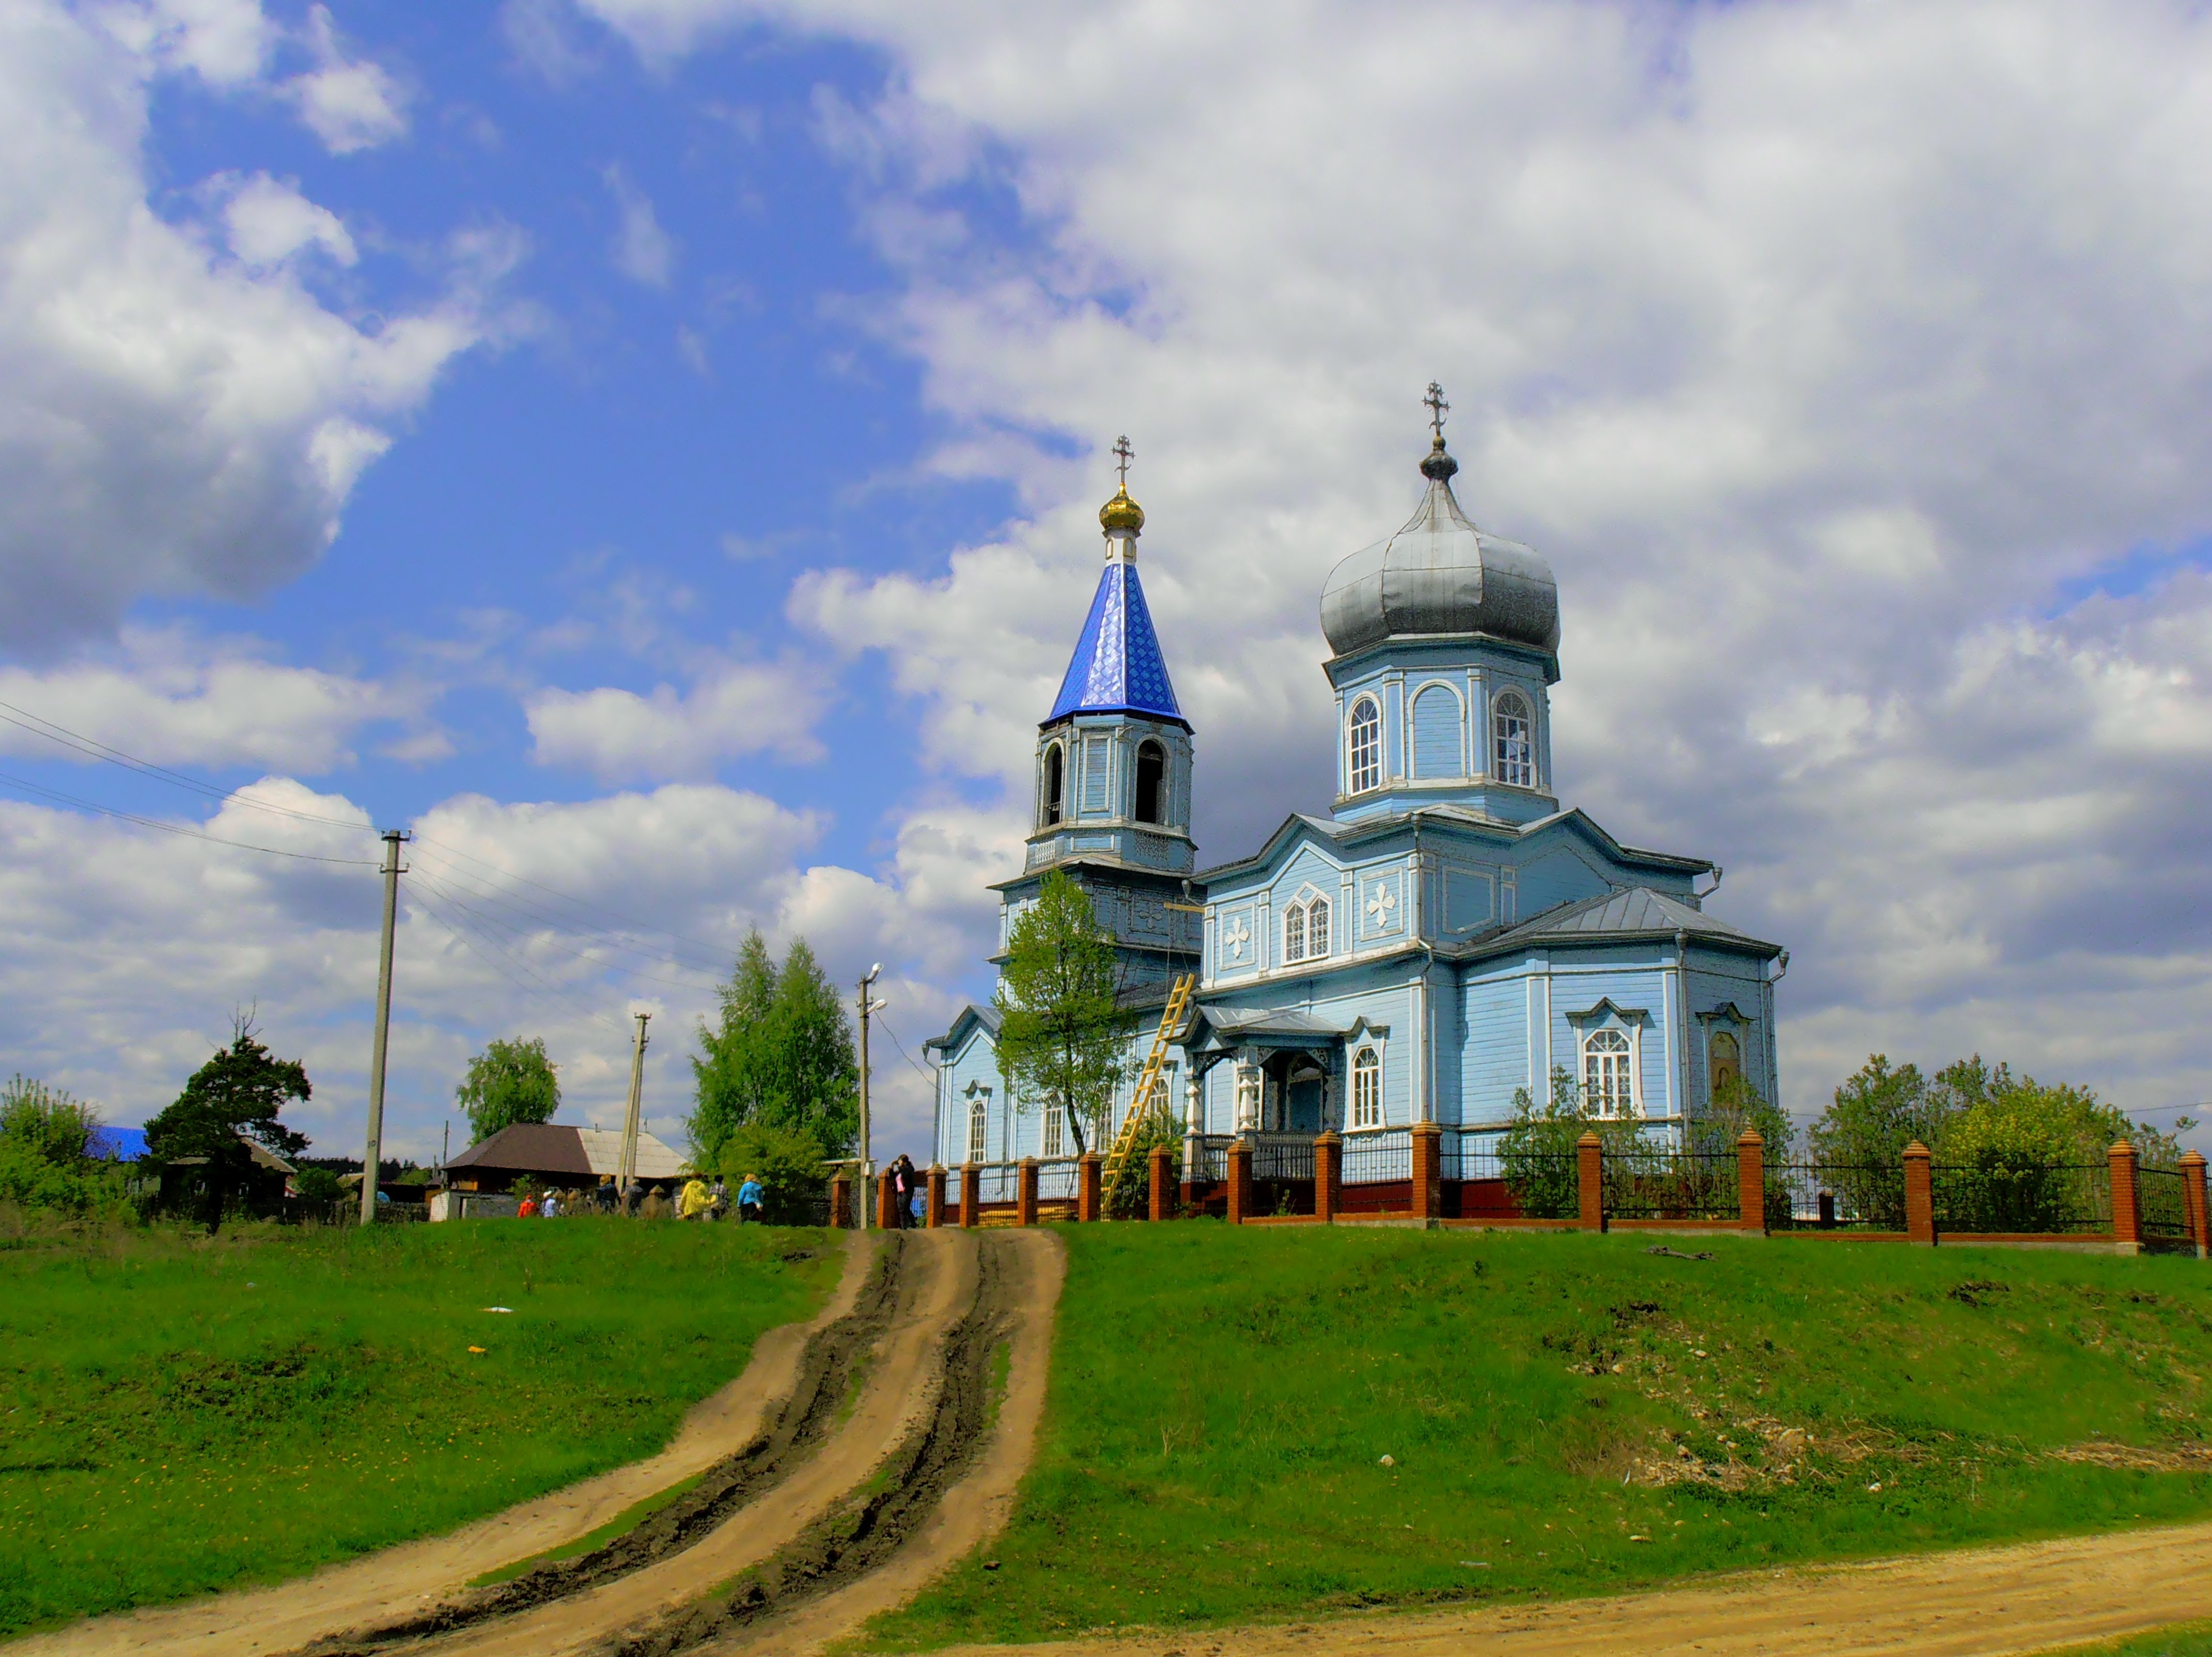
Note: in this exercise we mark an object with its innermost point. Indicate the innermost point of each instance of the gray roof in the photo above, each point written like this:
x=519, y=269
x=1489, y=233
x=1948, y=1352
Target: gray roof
x=1269, y=1021
x=1624, y=912
x=1440, y=575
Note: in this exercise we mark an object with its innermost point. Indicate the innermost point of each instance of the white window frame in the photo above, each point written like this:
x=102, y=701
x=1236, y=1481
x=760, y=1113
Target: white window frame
x=1317, y=937
x=979, y=1125
x=1619, y=1049
x=1309, y=905
x=1366, y=1109
x=1363, y=776
x=1053, y=1140
x=1514, y=771
x=1294, y=933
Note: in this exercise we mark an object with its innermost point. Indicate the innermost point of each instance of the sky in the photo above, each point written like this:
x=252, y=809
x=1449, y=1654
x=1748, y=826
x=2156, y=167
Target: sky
x=649, y=450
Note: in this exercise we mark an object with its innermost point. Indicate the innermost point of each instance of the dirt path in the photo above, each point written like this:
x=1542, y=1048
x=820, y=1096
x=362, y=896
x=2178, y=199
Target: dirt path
x=1991, y=1602
x=402, y=1580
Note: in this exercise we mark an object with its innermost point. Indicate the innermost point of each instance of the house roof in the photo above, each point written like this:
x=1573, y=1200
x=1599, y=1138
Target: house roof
x=583, y=1152
x=974, y=1012
x=1117, y=667
x=1348, y=835
x=117, y=1144
x=1624, y=912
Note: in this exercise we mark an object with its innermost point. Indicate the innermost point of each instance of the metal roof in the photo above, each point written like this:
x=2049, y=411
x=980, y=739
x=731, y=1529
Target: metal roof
x=584, y=1152
x=1117, y=667
x=1626, y=911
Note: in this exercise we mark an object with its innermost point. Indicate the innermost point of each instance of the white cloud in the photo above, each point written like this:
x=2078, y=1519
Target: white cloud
x=733, y=709
x=641, y=250
x=171, y=421
x=225, y=43
x=1818, y=346
x=350, y=103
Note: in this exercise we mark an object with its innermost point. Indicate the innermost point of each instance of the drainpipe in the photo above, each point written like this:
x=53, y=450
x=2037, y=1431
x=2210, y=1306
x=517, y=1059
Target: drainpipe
x=1682, y=1034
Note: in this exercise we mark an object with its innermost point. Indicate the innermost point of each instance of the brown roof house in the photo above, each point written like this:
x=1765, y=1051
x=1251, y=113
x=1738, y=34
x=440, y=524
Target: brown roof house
x=557, y=1155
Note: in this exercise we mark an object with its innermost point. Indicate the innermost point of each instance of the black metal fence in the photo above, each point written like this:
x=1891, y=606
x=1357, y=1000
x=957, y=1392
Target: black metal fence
x=1641, y=1184
x=1377, y=1158
x=2162, y=1205
x=1835, y=1196
x=2048, y=1200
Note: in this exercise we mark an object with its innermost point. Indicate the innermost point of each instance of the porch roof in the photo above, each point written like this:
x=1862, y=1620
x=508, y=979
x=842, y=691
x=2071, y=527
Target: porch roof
x=1217, y=1027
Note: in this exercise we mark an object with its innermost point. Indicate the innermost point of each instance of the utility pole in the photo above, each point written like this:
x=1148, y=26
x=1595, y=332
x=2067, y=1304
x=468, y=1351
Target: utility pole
x=372, y=1156
x=867, y=1168
x=629, y=1121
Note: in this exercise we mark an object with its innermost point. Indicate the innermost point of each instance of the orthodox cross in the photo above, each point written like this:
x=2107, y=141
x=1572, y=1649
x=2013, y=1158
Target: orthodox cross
x=1438, y=409
x=1123, y=452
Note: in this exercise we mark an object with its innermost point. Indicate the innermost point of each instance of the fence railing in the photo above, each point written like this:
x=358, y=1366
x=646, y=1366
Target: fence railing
x=2040, y=1201
x=1378, y=1158
x=1835, y=1196
x=1658, y=1184
x=1282, y=1157
x=2163, y=1203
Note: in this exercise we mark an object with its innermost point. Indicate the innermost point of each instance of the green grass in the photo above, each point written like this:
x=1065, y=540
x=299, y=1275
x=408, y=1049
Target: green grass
x=1221, y=1398
x=178, y=1415
x=2183, y=1639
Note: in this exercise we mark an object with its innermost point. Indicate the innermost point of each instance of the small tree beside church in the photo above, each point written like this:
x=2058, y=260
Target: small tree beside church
x=508, y=1082
x=1062, y=1032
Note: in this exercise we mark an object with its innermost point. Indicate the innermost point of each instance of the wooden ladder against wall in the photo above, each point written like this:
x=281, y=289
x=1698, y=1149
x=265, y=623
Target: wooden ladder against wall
x=1151, y=1093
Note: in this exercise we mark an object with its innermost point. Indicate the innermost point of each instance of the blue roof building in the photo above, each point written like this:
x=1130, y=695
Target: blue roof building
x=1445, y=940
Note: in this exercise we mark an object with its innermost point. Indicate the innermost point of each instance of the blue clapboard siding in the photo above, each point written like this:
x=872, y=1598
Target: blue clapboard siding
x=1495, y=1061
x=1437, y=747
x=1094, y=774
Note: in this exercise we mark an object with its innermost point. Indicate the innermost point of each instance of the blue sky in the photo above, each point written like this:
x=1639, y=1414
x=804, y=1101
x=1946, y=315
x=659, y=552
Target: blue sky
x=649, y=448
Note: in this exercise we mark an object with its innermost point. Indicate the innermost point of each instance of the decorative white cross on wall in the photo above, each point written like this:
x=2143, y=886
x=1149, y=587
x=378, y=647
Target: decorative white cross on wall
x=1380, y=900
x=1234, y=936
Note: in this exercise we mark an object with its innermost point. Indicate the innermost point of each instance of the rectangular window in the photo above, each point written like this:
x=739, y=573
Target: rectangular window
x=1607, y=1081
x=1367, y=1089
x=1055, y=1131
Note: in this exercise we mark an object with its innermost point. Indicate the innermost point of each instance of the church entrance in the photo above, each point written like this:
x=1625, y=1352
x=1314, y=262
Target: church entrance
x=1302, y=1100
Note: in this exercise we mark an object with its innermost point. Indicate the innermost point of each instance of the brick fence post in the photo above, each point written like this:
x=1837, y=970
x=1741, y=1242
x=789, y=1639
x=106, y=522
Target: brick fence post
x=1328, y=1178
x=1428, y=1171
x=1751, y=1180
x=2127, y=1197
x=887, y=1214
x=934, y=1212
x=1590, y=1180
x=1025, y=1193
x=1240, y=1181
x=840, y=1202
x=2192, y=1202
x=1087, y=1206
x=1919, y=1194
x=1163, y=1184
x=971, y=1196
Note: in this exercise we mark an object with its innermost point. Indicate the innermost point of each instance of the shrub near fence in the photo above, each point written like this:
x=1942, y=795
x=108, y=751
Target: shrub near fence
x=1656, y=1184
x=1836, y=1196
x=2056, y=1200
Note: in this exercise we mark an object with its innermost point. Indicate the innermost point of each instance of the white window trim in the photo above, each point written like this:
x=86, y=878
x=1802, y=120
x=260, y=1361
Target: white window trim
x=1051, y=1132
x=979, y=1114
x=1379, y=1040
x=1353, y=785
x=1516, y=697
x=1309, y=895
x=1633, y=1035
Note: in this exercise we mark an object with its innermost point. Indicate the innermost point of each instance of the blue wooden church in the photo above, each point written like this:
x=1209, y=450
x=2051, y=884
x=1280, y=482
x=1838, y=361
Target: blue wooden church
x=1445, y=937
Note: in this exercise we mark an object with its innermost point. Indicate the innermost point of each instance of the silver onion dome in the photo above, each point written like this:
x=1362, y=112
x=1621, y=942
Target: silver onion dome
x=1440, y=575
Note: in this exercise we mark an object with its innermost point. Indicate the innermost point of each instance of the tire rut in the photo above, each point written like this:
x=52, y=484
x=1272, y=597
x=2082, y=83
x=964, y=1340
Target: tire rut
x=866, y=1532
x=833, y=1365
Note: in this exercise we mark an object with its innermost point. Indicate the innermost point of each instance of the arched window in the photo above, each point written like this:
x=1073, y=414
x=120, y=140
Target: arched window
x=1366, y=744
x=1294, y=933
x=1366, y=1088
x=1305, y=929
x=1726, y=1062
x=1607, y=1082
x=1317, y=928
x=979, y=1123
x=1515, y=743
x=1055, y=1131
x=1151, y=780
x=1056, y=778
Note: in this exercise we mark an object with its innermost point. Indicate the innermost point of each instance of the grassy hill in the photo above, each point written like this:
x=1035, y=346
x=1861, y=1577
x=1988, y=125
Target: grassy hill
x=178, y=1414
x=1250, y=1423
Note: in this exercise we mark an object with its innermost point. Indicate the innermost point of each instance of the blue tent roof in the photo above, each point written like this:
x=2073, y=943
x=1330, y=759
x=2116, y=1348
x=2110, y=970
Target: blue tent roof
x=120, y=1145
x=1117, y=667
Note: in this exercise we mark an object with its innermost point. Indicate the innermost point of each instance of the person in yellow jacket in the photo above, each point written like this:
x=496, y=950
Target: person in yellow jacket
x=695, y=1200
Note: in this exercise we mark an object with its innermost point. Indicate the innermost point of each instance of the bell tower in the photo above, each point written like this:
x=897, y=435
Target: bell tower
x=1113, y=773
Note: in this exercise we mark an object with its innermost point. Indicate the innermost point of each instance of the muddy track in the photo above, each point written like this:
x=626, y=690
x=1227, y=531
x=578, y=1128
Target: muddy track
x=835, y=1359
x=863, y=1534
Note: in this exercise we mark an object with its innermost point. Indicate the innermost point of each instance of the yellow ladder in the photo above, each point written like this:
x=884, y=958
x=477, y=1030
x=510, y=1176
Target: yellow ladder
x=1152, y=1083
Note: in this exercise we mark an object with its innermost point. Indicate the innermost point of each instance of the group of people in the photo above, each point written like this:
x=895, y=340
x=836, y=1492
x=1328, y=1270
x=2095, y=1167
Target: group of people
x=697, y=1201
x=909, y=1192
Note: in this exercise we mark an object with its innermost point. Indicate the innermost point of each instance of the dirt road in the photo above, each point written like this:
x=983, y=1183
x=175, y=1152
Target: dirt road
x=1992, y=1602
x=856, y=1457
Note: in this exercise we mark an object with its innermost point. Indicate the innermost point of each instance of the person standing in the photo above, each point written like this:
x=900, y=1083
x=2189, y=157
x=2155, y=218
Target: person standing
x=749, y=1195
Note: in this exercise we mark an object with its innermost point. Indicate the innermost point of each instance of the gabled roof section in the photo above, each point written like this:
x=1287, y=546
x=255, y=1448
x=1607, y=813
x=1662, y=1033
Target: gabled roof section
x=578, y=1152
x=1349, y=835
x=968, y=1018
x=1624, y=912
x=1117, y=667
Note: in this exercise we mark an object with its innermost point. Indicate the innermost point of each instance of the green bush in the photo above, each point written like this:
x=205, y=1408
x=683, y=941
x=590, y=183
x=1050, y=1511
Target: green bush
x=1132, y=1198
x=787, y=1161
x=46, y=1122
x=317, y=1184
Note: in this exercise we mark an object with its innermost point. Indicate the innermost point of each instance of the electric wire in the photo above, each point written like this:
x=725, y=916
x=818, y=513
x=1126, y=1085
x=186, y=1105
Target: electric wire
x=553, y=941
x=179, y=829
x=476, y=886
x=929, y=1074
x=478, y=944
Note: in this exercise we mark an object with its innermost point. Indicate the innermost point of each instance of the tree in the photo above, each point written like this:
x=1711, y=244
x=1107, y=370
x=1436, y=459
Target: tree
x=508, y=1082
x=235, y=1096
x=787, y=1161
x=781, y=1056
x=47, y=1123
x=1736, y=1105
x=1062, y=1031
x=1877, y=1112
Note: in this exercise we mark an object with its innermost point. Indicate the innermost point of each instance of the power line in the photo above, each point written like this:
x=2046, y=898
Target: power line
x=179, y=829
x=461, y=933
x=552, y=940
x=719, y=951
x=929, y=1074
x=478, y=888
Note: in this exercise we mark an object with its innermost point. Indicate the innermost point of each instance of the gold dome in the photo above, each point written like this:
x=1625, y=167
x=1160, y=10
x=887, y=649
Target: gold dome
x=1122, y=513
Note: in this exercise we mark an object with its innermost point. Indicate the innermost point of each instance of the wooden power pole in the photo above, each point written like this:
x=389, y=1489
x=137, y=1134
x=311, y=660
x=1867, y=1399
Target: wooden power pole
x=373, y=1156
x=630, y=1121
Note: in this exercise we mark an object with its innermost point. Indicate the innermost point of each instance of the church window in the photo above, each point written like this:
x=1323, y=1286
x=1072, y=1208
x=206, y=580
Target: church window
x=1317, y=927
x=1151, y=780
x=1055, y=1131
x=979, y=1123
x=1607, y=1082
x=1366, y=1088
x=1305, y=929
x=1726, y=1062
x=1294, y=933
x=1055, y=782
x=1516, y=748
x=1366, y=745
